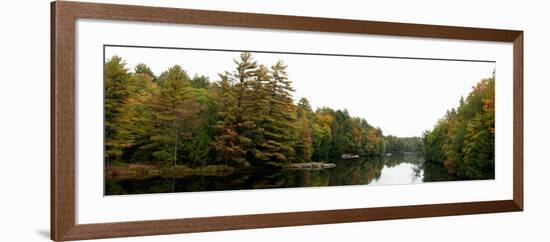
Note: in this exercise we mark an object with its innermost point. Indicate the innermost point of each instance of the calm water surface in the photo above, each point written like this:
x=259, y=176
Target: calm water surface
x=402, y=169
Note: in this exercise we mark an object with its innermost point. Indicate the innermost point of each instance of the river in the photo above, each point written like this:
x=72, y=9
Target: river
x=389, y=170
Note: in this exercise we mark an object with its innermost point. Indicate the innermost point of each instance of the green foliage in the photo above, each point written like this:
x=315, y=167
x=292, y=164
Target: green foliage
x=144, y=69
x=304, y=143
x=304, y=124
x=202, y=82
x=433, y=142
x=174, y=73
x=162, y=156
x=322, y=134
x=335, y=133
x=277, y=123
x=396, y=145
x=197, y=150
x=464, y=139
x=304, y=107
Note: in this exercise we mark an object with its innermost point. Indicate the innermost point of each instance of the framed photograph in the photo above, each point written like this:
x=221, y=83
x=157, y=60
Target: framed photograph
x=172, y=120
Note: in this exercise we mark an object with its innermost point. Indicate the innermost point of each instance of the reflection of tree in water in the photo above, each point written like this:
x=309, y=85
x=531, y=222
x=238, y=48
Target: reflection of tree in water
x=414, y=159
x=138, y=186
x=197, y=183
x=354, y=172
x=395, y=160
x=347, y=172
x=114, y=188
x=433, y=171
x=274, y=180
x=295, y=178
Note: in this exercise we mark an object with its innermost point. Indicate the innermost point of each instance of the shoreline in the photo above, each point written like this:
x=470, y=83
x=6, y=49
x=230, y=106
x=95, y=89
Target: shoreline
x=143, y=171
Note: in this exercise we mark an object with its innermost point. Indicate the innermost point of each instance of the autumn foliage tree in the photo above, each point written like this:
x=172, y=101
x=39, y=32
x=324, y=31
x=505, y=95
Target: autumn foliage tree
x=464, y=138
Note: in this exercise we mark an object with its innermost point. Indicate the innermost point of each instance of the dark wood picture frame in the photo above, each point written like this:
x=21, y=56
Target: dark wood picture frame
x=63, y=18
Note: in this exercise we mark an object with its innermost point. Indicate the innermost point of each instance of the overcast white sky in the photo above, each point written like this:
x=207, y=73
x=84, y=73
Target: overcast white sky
x=401, y=96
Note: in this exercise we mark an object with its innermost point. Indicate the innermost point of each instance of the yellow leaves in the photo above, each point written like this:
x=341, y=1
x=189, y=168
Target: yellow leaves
x=324, y=119
x=489, y=104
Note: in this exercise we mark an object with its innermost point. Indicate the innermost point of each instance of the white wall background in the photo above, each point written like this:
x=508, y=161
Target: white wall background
x=24, y=120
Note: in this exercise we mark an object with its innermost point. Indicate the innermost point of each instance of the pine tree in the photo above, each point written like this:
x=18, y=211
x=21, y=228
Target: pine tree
x=232, y=142
x=176, y=74
x=303, y=107
x=304, y=125
x=144, y=69
x=175, y=111
x=278, y=124
x=197, y=149
x=116, y=78
x=135, y=117
x=257, y=107
x=226, y=140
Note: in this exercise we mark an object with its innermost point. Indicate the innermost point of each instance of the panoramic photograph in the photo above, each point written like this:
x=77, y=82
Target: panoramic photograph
x=197, y=120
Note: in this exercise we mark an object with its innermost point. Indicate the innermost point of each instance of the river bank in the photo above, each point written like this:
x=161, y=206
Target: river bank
x=144, y=170
x=136, y=171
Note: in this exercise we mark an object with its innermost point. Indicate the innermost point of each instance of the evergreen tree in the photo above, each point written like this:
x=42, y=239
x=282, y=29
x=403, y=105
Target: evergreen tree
x=116, y=77
x=278, y=125
x=174, y=111
x=226, y=143
x=175, y=72
x=258, y=108
x=198, y=148
x=304, y=123
x=303, y=107
x=232, y=142
x=136, y=117
x=144, y=69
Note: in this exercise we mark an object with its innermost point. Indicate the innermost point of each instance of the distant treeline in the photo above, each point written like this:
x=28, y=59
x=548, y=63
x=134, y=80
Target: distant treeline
x=464, y=139
x=246, y=118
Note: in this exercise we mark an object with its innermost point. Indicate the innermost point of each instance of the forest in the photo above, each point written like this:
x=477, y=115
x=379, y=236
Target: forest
x=464, y=139
x=249, y=117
